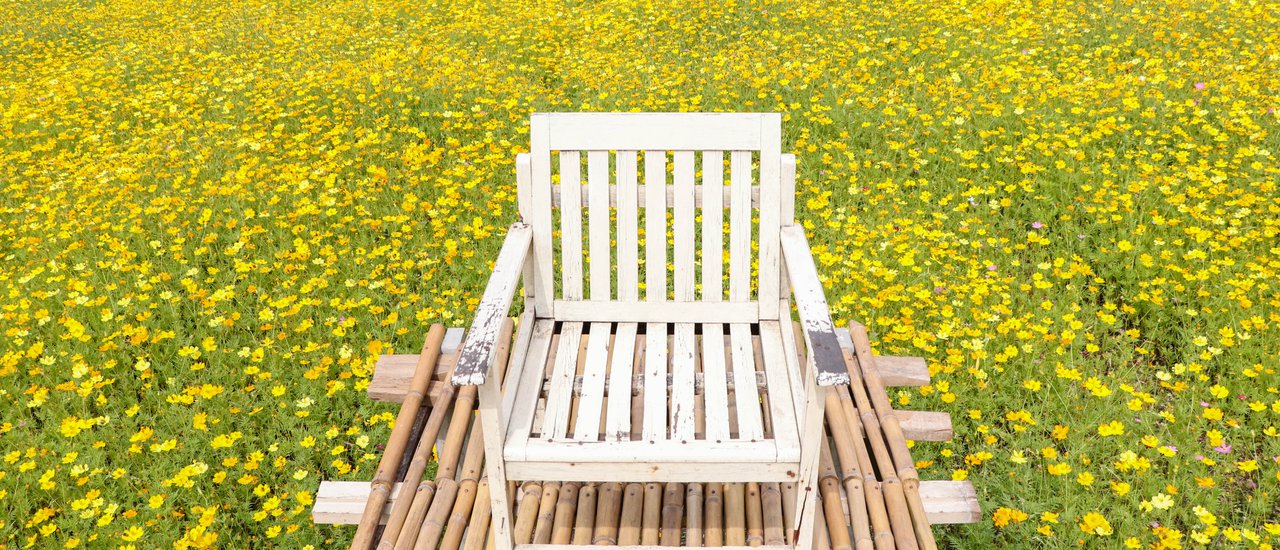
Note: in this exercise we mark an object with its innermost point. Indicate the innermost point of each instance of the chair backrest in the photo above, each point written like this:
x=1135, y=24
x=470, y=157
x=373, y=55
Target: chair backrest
x=692, y=174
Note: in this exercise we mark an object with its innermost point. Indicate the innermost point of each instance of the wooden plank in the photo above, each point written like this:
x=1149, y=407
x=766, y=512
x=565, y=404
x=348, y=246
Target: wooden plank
x=477, y=352
x=515, y=369
x=559, y=399
x=669, y=131
x=520, y=421
x=811, y=305
x=599, y=220
x=539, y=216
x=716, y=388
x=618, y=419
x=684, y=275
x=781, y=408
x=392, y=373
x=771, y=204
x=655, y=383
x=342, y=502
x=925, y=425
x=902, y=371
x=700, y=199
x=656, y=311
x=628, y=227
x=713, y=199
x=632, y=451
x=740, y=226
x=746, y=396
x=587, y=426
x=667, y=471
x=682, y=370
x=655, y=227
x=571, y=225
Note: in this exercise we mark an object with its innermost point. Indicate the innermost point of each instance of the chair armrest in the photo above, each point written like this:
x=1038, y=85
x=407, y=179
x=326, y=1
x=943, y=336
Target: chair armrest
x=477, y=351
x=830, y=369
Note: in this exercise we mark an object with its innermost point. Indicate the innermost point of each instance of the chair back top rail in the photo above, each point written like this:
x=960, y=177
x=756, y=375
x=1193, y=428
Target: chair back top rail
x=655, y=207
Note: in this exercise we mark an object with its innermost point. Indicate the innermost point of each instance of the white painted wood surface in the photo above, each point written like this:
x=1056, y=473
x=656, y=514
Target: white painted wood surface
x=655, y=227
x=713, y=199
x=599, y=219
x=477, y=352
x=700, y=199
x=587, y=422
x=716, y=389
x=664, y=311
x=560, y=397
x=571, y=225
x=628, y=227
x=811, y=304
x=670, y=131
x=683, y=355
x=740, y=226
x=618, y=418
x=770, y=212
x=746, y=396
x=655, y=383
x=539, y=216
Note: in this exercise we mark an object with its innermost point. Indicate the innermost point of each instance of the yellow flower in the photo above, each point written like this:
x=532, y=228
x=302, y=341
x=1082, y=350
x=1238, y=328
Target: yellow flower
x=1094, y=523
x=1004, y=516
x=1111, y=429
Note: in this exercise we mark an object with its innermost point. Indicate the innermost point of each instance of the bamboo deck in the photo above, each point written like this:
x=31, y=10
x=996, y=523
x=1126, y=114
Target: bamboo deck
x=451, y=511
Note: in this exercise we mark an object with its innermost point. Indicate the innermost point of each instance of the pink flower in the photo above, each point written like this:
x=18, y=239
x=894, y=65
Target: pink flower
x=1199, y=85
x=1224, y=448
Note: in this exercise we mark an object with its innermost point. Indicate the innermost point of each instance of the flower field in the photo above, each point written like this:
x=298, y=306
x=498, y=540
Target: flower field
x=214, y=217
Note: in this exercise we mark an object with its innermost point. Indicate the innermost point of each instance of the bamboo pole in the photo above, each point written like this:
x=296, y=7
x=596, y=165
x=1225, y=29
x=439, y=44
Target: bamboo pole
x=433, y=527
x=566, y=509
x=632, y=509
x=895, y=502
x=407, y=514
x=893, y=434
x=527, y=514
x=775, y=533
x=693, y=515
x=478, y=526
x=788, y=504
x=844, y=435
x=416, y=514
x=713, y=525
x=652, y=517
x=735, y=515
x=606, y=525
x=468, y=488
x=755, y=516
x=829, y=486
x=587, y=497
x=672, y=514
x=546, y=512
x=389, y=465
x=876, y=512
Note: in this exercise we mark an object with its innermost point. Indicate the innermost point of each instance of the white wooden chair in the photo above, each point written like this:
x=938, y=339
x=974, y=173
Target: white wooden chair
x=654, y=372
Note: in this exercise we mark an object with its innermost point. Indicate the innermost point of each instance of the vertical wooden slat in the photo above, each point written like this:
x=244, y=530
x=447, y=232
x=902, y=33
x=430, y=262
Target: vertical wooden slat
x=601, y=251
x=655, y=382
x=559, y=397
x=682, y=370
x=540, y=213
x=683, y=279
x=618, y=419
x=655, y=225
x=747, y=397
x=628, y=227
x=712, y=226
x=740, y=226
x=715, y=387
x=770, y=213
x=587, y=426
x=782, y=410
x=571, y=224
x=530, y=382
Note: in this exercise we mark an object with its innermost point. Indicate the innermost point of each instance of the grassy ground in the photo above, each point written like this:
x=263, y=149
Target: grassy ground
x=213, y=217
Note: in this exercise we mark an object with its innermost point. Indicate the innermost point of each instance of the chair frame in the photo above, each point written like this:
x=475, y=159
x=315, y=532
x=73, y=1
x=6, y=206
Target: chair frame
x=527, y=256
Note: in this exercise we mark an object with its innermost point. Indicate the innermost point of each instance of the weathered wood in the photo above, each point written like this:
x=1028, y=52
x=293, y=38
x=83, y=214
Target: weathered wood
x=811, y=304
x=769, y=261
x=664, y=131
x=712, y=199
x=656, y=311
x=599, y=219
x=477, y=352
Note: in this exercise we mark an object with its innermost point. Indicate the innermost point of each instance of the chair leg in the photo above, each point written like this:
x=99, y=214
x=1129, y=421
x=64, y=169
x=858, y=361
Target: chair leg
x=499, y=492
x=807, y=510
